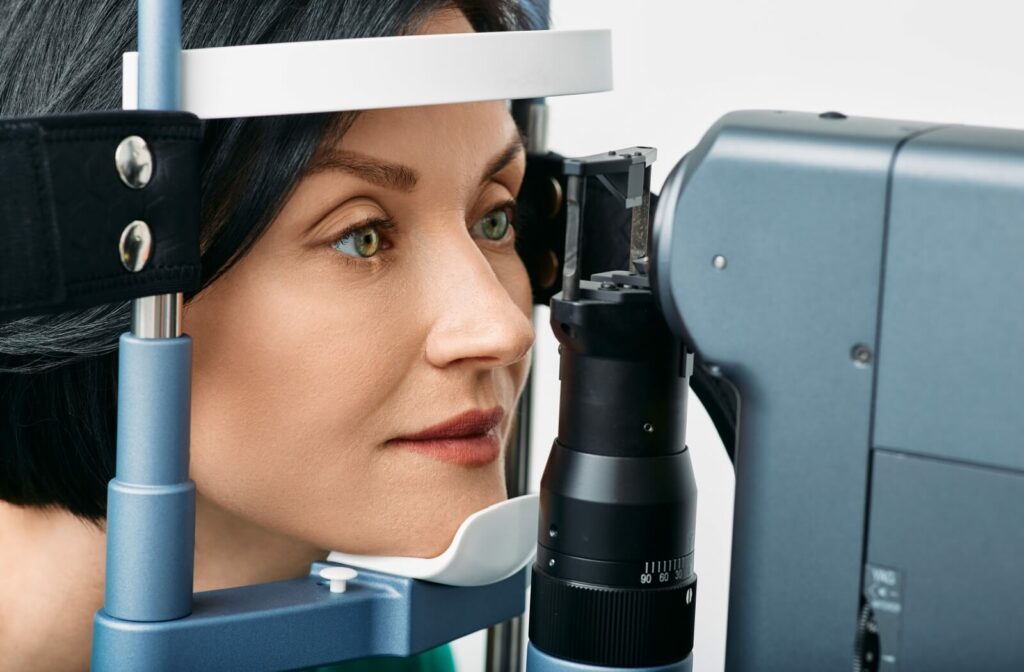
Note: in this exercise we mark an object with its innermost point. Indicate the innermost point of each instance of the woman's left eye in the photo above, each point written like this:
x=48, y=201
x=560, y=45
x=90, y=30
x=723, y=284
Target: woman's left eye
x=363, y=242
x=495, y=224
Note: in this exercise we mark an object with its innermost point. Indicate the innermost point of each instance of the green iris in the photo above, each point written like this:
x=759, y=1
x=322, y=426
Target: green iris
x=494, y=225
x=362, y=242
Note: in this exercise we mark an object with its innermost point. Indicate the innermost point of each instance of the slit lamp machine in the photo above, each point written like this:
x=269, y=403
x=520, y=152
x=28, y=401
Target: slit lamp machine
x=845, y=296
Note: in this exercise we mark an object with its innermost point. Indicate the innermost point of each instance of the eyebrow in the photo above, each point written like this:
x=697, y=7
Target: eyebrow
x=504, y=158
x=373, y=170
x=397, y=176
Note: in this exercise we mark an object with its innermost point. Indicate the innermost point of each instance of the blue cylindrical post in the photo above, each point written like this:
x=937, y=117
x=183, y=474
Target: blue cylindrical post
x=151, y=501
x=159, y=30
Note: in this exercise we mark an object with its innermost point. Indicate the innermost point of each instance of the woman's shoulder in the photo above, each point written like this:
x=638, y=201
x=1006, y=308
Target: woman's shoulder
x=434, y=660
x=46, y=602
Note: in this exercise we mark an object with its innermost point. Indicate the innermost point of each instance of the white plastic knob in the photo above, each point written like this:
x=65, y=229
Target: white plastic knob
x=339, y=577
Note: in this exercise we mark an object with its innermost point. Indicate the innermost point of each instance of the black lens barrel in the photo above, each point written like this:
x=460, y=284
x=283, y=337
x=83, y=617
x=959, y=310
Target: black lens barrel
x=613, y=584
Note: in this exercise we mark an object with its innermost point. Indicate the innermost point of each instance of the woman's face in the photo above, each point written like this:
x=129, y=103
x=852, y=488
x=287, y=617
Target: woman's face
x=385, y=299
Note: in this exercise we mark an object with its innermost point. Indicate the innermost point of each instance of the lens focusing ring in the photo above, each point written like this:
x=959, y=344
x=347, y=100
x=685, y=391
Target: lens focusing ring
x=645, y=575
x=612, y=627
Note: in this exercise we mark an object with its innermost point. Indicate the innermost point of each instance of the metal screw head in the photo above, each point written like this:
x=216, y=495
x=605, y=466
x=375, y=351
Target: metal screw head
x=861, y=355
x=648, y=427
x=719, y=261
x=134, y=162
x=551, y=562
x=135, y=246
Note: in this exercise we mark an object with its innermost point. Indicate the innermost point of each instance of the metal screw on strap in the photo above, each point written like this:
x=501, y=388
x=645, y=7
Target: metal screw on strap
x=136, y=245
x=134, y=162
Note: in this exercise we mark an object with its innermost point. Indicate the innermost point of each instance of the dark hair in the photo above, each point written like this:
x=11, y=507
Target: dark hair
x=58, y=374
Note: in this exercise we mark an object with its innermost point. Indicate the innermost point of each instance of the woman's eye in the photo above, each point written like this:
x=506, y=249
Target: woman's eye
x=362, y=242
x=495, y=224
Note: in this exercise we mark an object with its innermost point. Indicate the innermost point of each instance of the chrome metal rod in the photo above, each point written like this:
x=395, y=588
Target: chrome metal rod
x=575, y=202
x=157, y=316
x=517, y=466
x=505, y=640
x=504, y=646
x=537, y=125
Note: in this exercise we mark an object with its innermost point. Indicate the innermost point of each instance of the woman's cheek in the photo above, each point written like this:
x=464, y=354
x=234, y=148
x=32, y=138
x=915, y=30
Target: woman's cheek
x=511, y=272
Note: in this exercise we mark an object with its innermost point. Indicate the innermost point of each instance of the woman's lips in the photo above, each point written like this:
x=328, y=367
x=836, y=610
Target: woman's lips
x=470, y=438
x=470, y=450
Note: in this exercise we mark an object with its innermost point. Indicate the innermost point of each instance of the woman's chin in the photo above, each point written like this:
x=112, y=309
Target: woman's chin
x=424, y=530
x=430, y=539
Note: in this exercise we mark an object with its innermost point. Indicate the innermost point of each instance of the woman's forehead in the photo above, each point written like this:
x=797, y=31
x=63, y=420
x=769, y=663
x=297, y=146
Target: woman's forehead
x=462, y=137
x=447, y=20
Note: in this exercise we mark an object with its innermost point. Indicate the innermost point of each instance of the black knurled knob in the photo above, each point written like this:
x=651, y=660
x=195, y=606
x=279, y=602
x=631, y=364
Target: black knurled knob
x=613, y=627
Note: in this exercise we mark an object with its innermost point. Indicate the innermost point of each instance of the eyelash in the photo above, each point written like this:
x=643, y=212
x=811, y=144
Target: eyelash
x=513, y=208
x=386, y=223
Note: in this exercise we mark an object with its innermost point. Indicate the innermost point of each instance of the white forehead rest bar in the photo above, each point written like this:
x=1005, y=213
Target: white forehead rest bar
x=379, y=72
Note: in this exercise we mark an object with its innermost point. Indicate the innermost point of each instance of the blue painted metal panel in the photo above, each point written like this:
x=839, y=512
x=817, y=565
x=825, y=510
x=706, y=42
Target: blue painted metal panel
x=951, y=357
x=299, y=623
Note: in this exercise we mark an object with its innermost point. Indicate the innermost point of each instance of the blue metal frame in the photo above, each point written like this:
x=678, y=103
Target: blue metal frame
x=300, y=623
x=159, y=28
x=151, y=502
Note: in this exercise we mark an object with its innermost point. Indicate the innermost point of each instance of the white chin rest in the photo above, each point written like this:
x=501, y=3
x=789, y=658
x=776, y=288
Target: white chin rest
x=489, y=546
x=381, y=72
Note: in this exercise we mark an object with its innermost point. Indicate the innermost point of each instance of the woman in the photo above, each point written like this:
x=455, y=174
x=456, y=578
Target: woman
x=361, y=289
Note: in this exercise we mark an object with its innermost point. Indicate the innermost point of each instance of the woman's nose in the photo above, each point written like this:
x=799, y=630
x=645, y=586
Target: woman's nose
x=476, y=318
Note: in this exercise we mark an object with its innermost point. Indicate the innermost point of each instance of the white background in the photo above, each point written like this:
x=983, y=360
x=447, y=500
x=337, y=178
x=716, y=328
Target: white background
x=681, y=64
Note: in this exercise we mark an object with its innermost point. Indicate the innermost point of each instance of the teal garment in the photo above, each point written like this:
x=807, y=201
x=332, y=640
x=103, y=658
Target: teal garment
x=434, y=660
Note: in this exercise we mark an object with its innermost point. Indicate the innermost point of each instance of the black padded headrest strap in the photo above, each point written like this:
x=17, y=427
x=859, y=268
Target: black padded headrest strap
x=63, y=208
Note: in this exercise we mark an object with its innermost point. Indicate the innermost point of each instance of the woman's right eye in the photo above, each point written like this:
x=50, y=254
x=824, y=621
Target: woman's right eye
x=362, y=242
